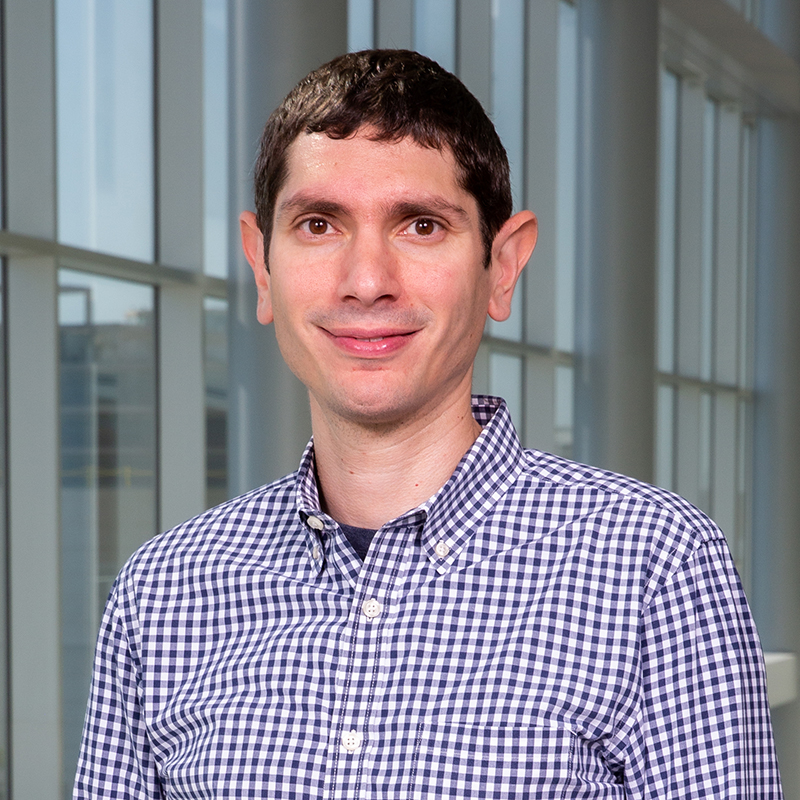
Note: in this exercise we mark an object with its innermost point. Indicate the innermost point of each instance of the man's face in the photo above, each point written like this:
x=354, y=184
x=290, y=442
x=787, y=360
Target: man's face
x=377, y=286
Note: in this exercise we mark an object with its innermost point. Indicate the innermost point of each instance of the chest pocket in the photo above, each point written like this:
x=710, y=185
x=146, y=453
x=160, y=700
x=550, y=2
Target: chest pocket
x=510, y=762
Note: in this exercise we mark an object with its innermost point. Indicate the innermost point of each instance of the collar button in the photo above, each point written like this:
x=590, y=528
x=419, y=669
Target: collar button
x=442, y=549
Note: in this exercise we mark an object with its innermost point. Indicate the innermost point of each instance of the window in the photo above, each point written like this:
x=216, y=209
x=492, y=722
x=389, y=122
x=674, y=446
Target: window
x=105, y=143
x=215, y=141
x=107, y=377
x=508, y=114
x=215, y=313
x=705, y=295
x=435, y=30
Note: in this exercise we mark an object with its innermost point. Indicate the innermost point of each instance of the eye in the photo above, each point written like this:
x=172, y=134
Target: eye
x=424, y=227
x=317, y=226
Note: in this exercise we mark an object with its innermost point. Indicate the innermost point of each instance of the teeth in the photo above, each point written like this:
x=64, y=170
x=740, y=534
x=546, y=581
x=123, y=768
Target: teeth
x=377, y=339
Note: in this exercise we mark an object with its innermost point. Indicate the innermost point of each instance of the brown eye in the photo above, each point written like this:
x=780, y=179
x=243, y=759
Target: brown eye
x=317, y=226
x=424, y=227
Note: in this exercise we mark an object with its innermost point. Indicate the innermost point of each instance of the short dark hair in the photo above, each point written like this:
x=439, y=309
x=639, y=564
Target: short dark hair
x=396, y=93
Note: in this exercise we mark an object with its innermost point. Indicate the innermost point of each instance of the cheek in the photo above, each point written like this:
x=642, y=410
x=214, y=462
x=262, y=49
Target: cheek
x=282, y=318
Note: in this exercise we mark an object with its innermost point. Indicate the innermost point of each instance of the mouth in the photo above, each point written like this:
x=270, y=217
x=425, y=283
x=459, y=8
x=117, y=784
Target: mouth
x=370, y=343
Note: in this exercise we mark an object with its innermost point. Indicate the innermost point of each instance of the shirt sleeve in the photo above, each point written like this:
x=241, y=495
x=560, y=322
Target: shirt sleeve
x=703, y=728
x=116, y=762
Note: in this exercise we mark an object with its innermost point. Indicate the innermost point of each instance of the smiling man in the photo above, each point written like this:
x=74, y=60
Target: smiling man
x=424, y=609
x=378, y=287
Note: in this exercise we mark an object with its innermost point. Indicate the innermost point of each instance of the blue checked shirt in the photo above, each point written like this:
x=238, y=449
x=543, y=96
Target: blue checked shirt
x=537, y=629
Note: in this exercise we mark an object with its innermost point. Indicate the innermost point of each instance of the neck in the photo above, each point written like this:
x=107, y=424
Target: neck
x=369, y=475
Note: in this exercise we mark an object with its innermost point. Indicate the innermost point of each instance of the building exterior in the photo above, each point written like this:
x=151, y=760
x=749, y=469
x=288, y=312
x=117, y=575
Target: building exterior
x=654, y=332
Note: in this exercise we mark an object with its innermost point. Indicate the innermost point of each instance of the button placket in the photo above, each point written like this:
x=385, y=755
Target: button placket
x=317, y=525
x=362, y=668
x=351, y=740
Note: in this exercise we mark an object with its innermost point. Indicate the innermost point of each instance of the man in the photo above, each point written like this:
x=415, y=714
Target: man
x=424, y=609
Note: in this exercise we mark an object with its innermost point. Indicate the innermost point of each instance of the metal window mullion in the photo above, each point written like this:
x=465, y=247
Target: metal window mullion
x=19, y=245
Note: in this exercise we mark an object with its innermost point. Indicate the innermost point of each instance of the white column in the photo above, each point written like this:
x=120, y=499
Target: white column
x=34, y=555
x=182, y=453
x=273, y=44
x=33, y=480
x=776, y=507
x=614, y=382
x=180, y=244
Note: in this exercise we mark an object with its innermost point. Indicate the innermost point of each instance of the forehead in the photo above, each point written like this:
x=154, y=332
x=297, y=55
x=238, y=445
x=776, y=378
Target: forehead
x=359, y=164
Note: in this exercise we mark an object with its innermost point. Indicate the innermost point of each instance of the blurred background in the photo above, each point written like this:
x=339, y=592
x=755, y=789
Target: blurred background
x=655, y=332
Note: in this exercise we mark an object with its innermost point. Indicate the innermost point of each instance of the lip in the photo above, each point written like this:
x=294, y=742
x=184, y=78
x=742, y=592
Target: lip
x=370, y=344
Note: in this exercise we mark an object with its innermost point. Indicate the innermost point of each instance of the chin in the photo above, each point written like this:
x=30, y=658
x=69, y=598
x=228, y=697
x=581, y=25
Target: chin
x=373, y=408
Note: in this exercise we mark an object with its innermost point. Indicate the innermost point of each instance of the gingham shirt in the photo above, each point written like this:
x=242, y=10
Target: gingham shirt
x=537, y=629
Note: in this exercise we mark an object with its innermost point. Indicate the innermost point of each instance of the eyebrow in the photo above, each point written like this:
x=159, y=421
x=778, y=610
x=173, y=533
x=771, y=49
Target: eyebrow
x=432, y=205
x=304, y=203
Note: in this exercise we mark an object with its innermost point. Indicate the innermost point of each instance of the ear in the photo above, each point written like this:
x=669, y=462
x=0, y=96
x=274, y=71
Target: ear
x=511, y=249
x=253, y=246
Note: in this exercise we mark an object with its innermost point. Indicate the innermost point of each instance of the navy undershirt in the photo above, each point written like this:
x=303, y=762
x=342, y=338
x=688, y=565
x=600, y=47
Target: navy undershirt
x=359, y=538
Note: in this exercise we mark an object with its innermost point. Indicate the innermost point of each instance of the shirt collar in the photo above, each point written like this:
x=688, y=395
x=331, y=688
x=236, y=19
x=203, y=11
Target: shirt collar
x=449, y=518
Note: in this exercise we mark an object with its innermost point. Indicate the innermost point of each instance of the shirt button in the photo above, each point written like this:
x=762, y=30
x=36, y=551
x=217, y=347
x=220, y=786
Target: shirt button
x=316, y=523
x=315, y=552
x=442, y=549
x=351, y=741
x=372, y=608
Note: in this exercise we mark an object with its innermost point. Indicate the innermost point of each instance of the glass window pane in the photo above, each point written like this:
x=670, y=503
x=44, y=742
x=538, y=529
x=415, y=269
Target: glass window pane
x=508, y=110
x=360, y=25
x=728, y=222
x=108, y=461
x=725, y=463
x=216, y=380
x=215, y=140
x=567, y=175
x=508, y=84
x=564, y=409
x=705, y=453
x=741, y=541
x=665, y=436
x=746, y=272
x=505, y=380
x=687, y=443
x=707, y=264
x=435, y=30
x=104, y=85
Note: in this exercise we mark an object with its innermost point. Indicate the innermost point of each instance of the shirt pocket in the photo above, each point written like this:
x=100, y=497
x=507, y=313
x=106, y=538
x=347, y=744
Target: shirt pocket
x=509, y=762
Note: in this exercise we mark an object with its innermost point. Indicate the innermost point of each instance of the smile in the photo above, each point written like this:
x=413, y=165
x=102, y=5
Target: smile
x=370, y=344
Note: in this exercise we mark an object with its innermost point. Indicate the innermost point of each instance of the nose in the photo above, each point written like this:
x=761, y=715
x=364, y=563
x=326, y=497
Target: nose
x=370, y=270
